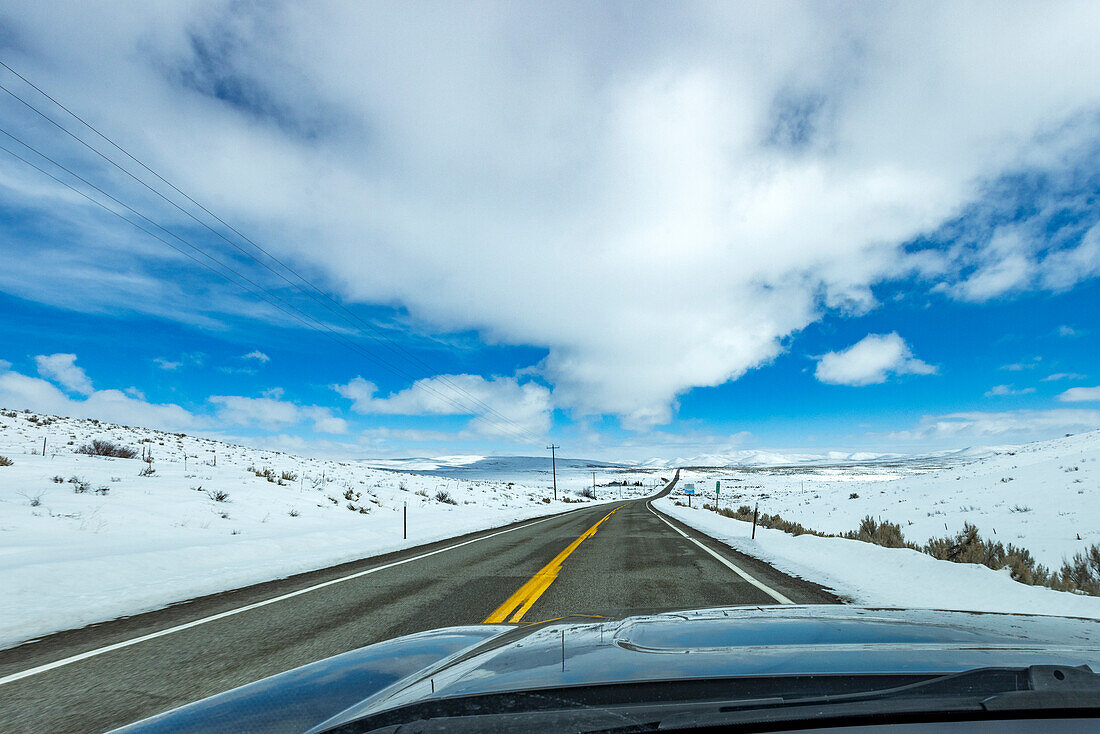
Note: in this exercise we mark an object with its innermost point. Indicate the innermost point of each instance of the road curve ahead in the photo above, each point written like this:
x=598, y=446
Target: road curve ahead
x=611, y=560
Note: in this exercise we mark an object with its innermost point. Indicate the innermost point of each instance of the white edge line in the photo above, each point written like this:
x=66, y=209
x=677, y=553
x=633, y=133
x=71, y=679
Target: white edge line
x=763, y=587
x=256, y=605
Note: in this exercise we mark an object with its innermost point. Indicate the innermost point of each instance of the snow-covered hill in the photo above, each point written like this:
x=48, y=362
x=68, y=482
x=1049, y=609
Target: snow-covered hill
x=1043, y=496
x=763, y=457
x=519, y=469
x=88, y=538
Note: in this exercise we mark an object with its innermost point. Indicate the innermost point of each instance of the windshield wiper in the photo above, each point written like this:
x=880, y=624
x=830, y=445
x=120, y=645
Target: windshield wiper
x=985, y=691
x=977, y=693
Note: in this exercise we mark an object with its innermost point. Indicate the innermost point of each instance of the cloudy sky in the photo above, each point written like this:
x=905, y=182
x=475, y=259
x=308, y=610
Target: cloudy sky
x=633, y=229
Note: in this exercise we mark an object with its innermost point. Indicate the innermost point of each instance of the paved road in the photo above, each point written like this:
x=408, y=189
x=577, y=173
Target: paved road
x=611, y=560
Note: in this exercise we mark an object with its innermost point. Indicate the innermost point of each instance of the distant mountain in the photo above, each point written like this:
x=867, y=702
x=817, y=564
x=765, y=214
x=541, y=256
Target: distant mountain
x=493, y=467
x=762, y=457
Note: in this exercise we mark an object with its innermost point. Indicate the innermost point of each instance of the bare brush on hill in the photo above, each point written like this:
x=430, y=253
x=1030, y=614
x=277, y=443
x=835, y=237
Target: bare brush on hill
x=107, y=448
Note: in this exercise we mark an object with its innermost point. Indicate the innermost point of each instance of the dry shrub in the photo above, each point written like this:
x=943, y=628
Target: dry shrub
x=99, y=447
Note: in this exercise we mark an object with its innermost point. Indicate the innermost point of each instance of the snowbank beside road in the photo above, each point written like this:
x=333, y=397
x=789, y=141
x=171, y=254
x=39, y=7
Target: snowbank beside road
x=890, y=577
x=1042, y=496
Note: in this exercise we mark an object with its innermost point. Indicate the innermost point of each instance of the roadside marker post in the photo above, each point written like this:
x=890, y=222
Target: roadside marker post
x=754, y=512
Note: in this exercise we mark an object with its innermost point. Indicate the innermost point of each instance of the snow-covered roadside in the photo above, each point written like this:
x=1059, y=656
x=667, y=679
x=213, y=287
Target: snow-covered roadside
x=1041, y=496
x=113, y=543
x=891, y=577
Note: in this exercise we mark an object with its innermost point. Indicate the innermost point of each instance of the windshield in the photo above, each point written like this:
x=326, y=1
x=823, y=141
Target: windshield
x=327, y=325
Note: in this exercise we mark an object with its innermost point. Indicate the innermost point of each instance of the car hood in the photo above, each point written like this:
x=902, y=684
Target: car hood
x=709, y=643
x=740, y=641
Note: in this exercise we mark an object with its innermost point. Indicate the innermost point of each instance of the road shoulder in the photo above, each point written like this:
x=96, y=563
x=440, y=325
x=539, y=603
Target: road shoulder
x=797, y=590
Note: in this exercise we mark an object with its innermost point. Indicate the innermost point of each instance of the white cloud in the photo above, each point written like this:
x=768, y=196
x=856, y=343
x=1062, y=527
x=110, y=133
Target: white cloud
x=1007, y=268
x=514, y=408
x=270, y=412
x=258, y=356
x=1068, y=267
x=324, y=421
x=1004, y=390
x=402, y=436
x=359, y=391
x=1021, y=366
x=1064, y=376
x=1080, y=395
x=239, y=410
x=1018, y=424
x=659, y=207
x=130, y=406
x=1065, y=330
x=24, y=392
x=870, y=361
x=193, y=359
x=62, y=369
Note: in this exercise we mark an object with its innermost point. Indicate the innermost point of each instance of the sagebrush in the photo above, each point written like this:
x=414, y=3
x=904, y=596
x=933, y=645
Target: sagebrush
x=100, y=447
x=1079, y=574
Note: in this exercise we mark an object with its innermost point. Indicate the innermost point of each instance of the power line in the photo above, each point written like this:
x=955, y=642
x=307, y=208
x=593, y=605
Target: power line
x=385, y=340
x=381, y=336
x=255, y=289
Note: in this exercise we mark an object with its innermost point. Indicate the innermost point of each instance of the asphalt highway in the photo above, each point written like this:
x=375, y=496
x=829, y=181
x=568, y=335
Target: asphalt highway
x=611, y=560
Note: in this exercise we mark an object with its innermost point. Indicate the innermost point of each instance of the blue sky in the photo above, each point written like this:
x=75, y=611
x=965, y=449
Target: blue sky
x=711, y=229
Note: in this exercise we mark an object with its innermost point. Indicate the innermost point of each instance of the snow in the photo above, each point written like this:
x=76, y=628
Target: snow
x=515, y=468
x=71, y=558
x=1040, y=496
x=761, y=457
x=871, y=575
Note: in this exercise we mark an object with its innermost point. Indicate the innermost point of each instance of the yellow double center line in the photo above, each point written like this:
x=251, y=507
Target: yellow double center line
x=527, y=594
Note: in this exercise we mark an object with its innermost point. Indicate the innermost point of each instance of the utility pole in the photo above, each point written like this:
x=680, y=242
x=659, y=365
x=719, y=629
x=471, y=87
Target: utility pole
x=554, y=467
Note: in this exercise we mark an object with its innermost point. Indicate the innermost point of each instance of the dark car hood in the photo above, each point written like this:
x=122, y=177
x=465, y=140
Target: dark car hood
x=711, y=643
x=747, y=641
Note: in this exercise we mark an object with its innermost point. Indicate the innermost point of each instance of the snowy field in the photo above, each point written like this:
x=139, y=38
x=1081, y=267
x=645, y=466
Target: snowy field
x=1041, y=496
x=875, y=576
x=85, y=539
x=573, y=474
